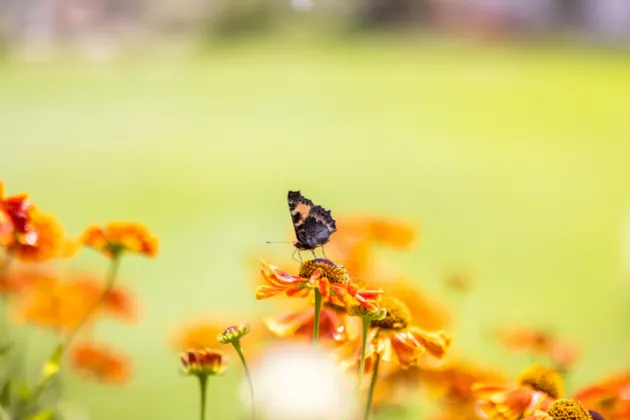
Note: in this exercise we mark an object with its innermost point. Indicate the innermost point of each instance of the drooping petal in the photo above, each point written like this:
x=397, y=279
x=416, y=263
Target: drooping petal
x=286, y=325
x=406, y=348
x=264, y=292
x=298, y=292
x=436, y=343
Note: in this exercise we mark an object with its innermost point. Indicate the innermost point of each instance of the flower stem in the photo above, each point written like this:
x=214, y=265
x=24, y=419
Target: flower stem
x=109, y=284
x=237, y=347
x=203, y=380
x=318, y=310
x=364, y=333
x=368, y=404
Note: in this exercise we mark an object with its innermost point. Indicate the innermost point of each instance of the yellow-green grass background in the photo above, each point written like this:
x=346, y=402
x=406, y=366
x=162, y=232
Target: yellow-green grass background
x=514, y=160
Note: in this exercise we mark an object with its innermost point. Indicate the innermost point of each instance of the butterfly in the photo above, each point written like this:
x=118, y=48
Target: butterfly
x=313, y=224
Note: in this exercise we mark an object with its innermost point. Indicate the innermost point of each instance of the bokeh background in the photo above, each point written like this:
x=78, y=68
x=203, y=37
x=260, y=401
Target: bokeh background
x=499, y=127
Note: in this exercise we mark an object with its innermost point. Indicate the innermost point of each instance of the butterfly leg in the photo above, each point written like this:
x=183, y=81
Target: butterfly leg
x=293, y=256
x=324, y=252
x=314, y=255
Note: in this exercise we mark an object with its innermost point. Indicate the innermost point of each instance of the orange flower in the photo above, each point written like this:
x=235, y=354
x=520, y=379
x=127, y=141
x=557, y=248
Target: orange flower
x=537, y=388
x=503, y=403
x=335, y=326
x=117, y=237
x=21, y=280
x=426, y=312
x=61, y=305
x=526, y=339
x=50, y=242
x=357, y=236
x=321, y=274
x=15, y=219
x=97, y=362
x=610, y=397
x=202, y=332
x=395, y=339
x=203, y=362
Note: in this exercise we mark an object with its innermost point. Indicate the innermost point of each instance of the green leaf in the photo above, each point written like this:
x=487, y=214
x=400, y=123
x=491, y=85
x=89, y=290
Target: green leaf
x=51, y=368
x=5, y=395
x=43, y=415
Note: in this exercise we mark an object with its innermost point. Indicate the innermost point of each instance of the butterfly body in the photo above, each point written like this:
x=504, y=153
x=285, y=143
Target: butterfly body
x=313, y=224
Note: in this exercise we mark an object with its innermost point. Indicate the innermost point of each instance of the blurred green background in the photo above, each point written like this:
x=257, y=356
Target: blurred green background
x=513, y=159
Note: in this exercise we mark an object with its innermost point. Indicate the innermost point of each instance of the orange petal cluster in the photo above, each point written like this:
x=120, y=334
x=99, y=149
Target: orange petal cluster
x=116, y=237
x=98, y=362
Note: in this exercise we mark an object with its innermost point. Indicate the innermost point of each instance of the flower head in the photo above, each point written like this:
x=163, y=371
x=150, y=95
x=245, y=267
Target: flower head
x=203, y=362
x=543, y=379
x=15, y=219
x=508, y=403
x=233, y=333
x=609, y=397
x=100, y=363
x=568, y=410
x=117, y=237
x=329, y=279
x=61, y=304
x=49, y=243
x=395, y=338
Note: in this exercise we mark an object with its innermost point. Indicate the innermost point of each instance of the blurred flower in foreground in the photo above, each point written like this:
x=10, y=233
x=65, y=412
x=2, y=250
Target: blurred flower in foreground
x=537, y=388
x=610, y=397
x=295, y=383
x=100, y=363
x=395, y=338
x=562, y=354
x=116, y=237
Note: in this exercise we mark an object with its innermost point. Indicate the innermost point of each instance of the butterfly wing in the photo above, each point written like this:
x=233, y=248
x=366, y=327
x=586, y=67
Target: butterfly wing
x=313, y=224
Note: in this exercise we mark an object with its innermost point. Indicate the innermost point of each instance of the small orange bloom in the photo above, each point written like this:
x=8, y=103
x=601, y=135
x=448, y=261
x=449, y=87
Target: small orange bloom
x=610, y=397
x=117, y=237
x=394, y=338
x=321, y=274
x=97, y=362
x=203, y=362
x=49, y=243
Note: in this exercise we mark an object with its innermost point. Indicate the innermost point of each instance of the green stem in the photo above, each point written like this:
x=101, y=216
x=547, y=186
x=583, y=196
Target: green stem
x=364, y=333
x=237, y=347
x=318, y=310
x=109, y=284
x=368, y=404
x=203, y=380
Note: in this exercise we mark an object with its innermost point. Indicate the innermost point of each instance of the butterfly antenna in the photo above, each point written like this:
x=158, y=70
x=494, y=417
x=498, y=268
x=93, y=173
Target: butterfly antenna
x=273, y=242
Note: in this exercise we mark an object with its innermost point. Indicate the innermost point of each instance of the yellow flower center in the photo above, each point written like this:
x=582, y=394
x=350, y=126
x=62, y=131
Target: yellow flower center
x=543, y=379
x=332, y=272
x=398, y=315
x=568, y=410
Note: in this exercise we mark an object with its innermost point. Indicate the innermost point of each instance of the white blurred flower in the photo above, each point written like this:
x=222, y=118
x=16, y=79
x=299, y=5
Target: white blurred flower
x=303, y=5
x=292, y=382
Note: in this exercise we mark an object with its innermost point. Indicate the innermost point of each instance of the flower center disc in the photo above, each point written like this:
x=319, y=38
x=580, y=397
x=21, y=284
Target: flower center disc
x=398, y=315
x=332, y=272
